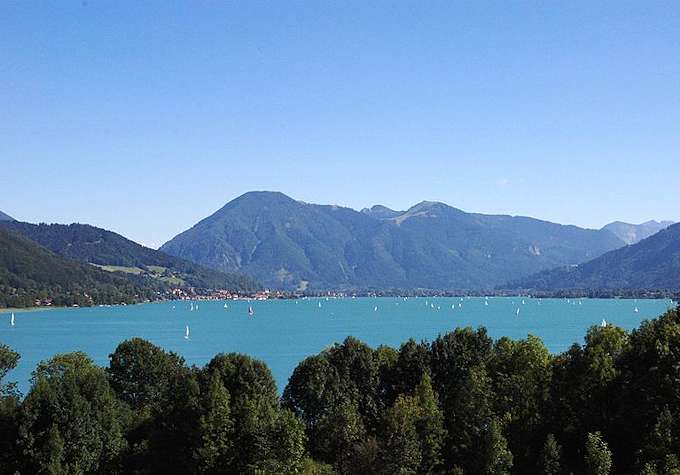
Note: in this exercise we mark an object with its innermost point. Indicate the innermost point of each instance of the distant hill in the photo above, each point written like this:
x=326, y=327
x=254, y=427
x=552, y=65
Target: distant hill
x=113, y=252
x=5, y=217
x=633, y=233
x=653, y=263
x=29, y=271
x=286, y=243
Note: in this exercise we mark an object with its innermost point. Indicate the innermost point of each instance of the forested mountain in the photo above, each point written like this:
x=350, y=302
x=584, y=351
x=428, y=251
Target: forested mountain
x=653, y=263
x=633, y=233
x=290, y=244
x=113, y=252
x=5, y=217
x=29, y=272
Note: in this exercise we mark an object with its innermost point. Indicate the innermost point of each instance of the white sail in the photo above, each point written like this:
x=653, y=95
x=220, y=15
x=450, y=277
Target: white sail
x=11, y=320
x=604, y=323
x=517, y=313
x=186, y=333
x=375, y=309
x=251, y=312
x=636, y=310
x=225, y=305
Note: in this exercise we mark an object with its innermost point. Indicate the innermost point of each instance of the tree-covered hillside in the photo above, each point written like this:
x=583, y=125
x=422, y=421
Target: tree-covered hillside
x=29, y=272
x=289, y=244
x=653, y=263
x=112, y=251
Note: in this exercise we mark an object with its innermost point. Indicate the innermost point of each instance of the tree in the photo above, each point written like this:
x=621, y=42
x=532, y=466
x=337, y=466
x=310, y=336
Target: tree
x=468, y=413
x=71, y=401
x=312, y=392
x=343, y=430
x=550, y=456
x=430, y=426
x=598, y=457
x=402, y=452
x=54, y=453
x=8, y=361
x=9, y=404
x=141, y=373
x=216, y=427
x=494, y=458
x=288, y=443
x=521, y=372
x=413, y=360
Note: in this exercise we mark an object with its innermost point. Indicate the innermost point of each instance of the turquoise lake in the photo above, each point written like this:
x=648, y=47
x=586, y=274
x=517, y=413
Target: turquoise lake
x=283, y=332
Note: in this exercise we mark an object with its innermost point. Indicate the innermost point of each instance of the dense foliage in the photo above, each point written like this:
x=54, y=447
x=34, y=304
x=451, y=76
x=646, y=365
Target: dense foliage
x=653, y=263
x=89, y=244
x=289, y=244
x=462, y=404
x=29, y=272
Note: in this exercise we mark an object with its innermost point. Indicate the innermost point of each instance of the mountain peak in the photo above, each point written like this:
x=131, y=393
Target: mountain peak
x=634, y=233
x=6, y=217
x=381, y=212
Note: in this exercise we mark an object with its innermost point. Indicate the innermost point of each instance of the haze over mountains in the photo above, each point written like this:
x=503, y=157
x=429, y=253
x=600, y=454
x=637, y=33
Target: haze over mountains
x=290, y=244
x=633, y=233
x=653, y=263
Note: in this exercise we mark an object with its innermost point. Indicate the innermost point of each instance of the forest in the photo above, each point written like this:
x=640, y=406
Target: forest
x=461, y=404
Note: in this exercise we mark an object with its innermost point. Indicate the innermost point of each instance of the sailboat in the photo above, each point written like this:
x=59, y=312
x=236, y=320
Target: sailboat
x=226, y=306
x=11, y=319
x=517, y=313
x=636, y=310
x=319, y=304
x=251, y=312
x=192, y=307
x=186, y=333
x=375, y=309
x=486, y=303
x=604, y=323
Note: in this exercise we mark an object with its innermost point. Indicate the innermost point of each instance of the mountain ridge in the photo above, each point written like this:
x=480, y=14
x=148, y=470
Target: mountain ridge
x=290, y=244
x=634, y=233
x=111, y=251
x=30, y=272
x=652, y=263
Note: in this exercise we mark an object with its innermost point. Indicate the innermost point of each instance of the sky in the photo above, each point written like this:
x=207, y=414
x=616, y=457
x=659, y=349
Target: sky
x=145, y=117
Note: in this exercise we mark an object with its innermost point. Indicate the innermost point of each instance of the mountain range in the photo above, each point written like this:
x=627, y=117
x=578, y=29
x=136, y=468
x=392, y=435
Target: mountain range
x=5, y=217
x=634, y=233
x=114, y=253
x=285, y=243
x=653, y=263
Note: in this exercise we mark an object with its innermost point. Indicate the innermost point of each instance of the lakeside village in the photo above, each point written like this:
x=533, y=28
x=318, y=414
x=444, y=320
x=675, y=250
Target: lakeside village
x=267, y=294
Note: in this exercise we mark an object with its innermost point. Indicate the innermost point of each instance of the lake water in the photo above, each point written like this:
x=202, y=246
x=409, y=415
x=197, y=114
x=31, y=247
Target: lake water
x=283, y=332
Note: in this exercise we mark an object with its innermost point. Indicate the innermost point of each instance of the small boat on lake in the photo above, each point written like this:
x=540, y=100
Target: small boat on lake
x=11, y=319
x=251, y=312
x=186, y=332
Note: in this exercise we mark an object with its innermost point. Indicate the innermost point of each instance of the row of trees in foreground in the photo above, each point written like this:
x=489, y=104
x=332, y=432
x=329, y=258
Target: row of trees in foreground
x=462, y=404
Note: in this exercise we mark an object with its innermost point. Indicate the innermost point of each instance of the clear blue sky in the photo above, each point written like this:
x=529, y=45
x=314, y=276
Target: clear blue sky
x=144, y=117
